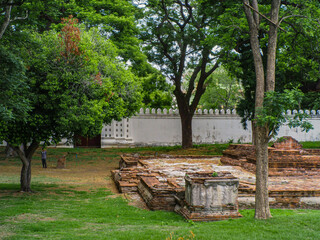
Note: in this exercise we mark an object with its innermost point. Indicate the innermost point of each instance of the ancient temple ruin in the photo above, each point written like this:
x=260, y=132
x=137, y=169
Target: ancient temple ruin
x=184, y=185
x=164, y=182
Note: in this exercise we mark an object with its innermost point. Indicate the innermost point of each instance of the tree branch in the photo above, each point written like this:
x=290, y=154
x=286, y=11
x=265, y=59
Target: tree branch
x=192, y=80
x=31, y=149
x=283, y=18
x=6, y=18
x=20, y=18
x=203, y=76
x=213, y=68
x=256, y=11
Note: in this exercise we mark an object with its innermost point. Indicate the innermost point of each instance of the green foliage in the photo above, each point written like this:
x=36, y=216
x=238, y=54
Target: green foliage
x=311, y=100
x=222, y=91
x=121, y=88
x=157, y=93
x=13, y=99
x=299, y=51
x=116, y=21
x=297, y=56
x=214, y=174
x=310, y=144
x=273, y=114
x=72, y=93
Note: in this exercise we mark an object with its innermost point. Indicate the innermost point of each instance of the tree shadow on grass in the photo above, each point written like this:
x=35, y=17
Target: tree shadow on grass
x=13, y=188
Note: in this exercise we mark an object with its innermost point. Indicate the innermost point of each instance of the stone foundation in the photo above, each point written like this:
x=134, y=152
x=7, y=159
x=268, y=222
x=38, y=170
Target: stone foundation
x=209, y=198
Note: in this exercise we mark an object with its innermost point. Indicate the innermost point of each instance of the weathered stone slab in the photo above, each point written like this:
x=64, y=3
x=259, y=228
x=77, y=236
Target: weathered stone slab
x=209, y=198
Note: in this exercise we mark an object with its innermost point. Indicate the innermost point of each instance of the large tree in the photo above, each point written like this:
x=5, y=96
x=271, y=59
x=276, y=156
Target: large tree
x=180, y=37
x=116, y=21
x=75, y=84
x=268, y=103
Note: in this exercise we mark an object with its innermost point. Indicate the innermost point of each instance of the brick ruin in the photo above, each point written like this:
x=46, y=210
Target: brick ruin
x=159, y=184
x=286, y=158
x=294, y=173
x=294, y=179
x=160, y=181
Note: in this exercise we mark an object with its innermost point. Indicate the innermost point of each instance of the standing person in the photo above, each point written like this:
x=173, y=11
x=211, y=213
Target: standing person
x=44, y=158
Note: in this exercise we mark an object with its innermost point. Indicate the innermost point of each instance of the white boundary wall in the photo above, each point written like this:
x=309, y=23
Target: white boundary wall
x=163, y=128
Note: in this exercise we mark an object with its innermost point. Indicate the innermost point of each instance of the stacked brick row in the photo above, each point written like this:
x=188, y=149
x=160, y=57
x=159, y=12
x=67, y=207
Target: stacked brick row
x=286, y=158
x=157, y=191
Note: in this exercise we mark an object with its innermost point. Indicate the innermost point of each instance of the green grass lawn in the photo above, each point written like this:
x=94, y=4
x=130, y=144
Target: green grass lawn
x=55, y=212
x=310, y=144
x=59, y=211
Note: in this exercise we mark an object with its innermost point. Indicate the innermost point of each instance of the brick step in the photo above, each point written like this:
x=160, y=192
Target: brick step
x=300, y=158
x=280, y=193
x=293, y=173
x=304, y=165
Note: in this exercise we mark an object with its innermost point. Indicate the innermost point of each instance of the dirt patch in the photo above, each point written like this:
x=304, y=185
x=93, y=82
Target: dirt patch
x=29, y=217
x=82, y=176
x=6, y=231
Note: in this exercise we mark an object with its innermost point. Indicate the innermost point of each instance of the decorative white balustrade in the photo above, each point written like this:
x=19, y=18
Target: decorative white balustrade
x=118, y=132
x=171, y=111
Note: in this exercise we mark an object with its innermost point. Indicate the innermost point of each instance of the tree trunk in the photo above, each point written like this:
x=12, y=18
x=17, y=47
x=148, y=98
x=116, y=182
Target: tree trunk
x=253, y=135
x=186, y=114
x=25, y=178
x=186, y=125
x=272, y=46
x=262, y=210
x=261, y=134
x=25, y=153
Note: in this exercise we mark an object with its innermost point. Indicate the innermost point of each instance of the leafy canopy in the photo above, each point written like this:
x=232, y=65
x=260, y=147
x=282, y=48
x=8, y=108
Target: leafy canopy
x=273, y=114
x=13, y=100
x=76, y=83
